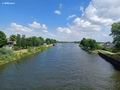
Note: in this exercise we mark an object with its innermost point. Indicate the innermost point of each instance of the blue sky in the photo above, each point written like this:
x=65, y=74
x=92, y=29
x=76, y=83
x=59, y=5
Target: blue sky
x=64, y=20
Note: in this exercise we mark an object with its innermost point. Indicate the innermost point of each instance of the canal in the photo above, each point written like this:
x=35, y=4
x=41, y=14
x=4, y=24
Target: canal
x=63, y=67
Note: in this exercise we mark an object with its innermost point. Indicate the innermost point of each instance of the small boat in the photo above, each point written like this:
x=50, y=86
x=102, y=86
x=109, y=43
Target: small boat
x=54, y=44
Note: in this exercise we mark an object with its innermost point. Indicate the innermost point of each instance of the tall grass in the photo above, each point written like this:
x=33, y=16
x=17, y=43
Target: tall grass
x=6, y=53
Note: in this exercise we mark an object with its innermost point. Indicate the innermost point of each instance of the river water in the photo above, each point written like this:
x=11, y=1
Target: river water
x=63, y=67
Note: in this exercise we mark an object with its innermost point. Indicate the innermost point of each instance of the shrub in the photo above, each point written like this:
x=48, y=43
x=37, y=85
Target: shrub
x=31, y=49
x=6, y=53
x=16, y=48
x=107, y=49
x=115, y=50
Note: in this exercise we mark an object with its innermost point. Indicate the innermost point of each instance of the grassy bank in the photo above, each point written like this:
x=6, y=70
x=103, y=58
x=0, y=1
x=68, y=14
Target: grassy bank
x=23, y=53
x=115, y=56
x=88, y=50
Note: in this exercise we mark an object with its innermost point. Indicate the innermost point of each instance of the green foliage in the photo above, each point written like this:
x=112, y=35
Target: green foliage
x=3, y=39
x=107, y=49
x=30, y=49
x=23, y=54
x=29, y=41
x=16, y=48
x=100, y=47
x=6, y=53
x=89, y=44
x=18, y=40
x=115, y=33
x=13, y=37
x=50, y=41
x=23, y=42
x=115, y=50
x=41, y=40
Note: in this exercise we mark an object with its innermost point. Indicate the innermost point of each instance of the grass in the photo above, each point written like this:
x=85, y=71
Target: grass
x=23, y=53
x=115, y=56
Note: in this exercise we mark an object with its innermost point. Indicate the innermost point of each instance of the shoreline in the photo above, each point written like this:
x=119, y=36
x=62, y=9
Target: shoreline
x=114, y=62
x=111, y=57
x=23, y=55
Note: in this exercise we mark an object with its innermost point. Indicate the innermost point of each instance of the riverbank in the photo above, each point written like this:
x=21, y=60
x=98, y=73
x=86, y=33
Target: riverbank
x=115, y=56
x=89, y=51
x=25, y=52
x=113, y=61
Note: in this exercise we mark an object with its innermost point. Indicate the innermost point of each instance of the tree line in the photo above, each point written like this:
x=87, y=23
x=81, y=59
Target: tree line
x=23, y=42
x=89, y=44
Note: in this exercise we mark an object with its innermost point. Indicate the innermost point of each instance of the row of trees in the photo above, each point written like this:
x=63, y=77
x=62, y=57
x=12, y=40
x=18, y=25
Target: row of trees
x=89, y=44
x=30, y=41
x=23, y=42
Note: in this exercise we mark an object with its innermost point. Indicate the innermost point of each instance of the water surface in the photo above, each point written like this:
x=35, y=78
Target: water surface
x=63, y=67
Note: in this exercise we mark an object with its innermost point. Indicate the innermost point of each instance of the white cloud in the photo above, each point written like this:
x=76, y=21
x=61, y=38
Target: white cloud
x=107, y=8
x=61, y=5
x=35, y=25
x=105, y=35
x=57, y=12
x=62, y=30
x=71, y=16
x=82, y=25
x=91, y=15
x=51, y=34
x=17, y=27
x=44, y=26
x=81, y=8
x=97, y=18
x=45, y=31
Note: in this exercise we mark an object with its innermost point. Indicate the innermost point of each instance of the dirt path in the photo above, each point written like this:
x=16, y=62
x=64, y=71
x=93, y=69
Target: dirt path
x=20, y=51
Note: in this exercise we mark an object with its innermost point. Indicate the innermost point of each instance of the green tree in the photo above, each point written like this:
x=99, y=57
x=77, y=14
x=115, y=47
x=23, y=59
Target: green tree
x=23, y=42
x=89, y=44
x=18, y=42
x=41, y=40
x=115, y=33
x=82, y=42
x=13, y=37
x=3, y=39
x=34, y=41
x=48, y=41
x=29, y=41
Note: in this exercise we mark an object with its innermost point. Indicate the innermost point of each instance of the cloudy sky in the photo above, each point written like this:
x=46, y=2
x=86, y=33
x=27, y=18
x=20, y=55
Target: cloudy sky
x=64, y=20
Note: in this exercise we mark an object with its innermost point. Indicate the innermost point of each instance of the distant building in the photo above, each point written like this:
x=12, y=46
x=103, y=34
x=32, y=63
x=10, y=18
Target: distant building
x=107, y=44
x=10, y=43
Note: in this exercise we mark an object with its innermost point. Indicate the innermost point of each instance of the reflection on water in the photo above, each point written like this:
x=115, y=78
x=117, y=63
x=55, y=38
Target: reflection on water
x=63, y=67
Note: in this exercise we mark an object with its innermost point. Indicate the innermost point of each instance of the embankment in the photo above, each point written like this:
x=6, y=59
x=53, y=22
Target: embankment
x=116, y=63
x=25, y=53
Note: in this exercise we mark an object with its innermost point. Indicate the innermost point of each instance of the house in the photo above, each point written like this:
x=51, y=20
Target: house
x=10, y=43
x=107, y=44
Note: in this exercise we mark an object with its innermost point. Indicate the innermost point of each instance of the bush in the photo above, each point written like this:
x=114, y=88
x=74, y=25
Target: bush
x=31, y=49
x=16, y=48
x=100, y=47
x=107, y=49
x=115, y=50
x=6, y=53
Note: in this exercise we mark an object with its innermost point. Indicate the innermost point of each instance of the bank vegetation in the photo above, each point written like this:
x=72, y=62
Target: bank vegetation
x=18, y=46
